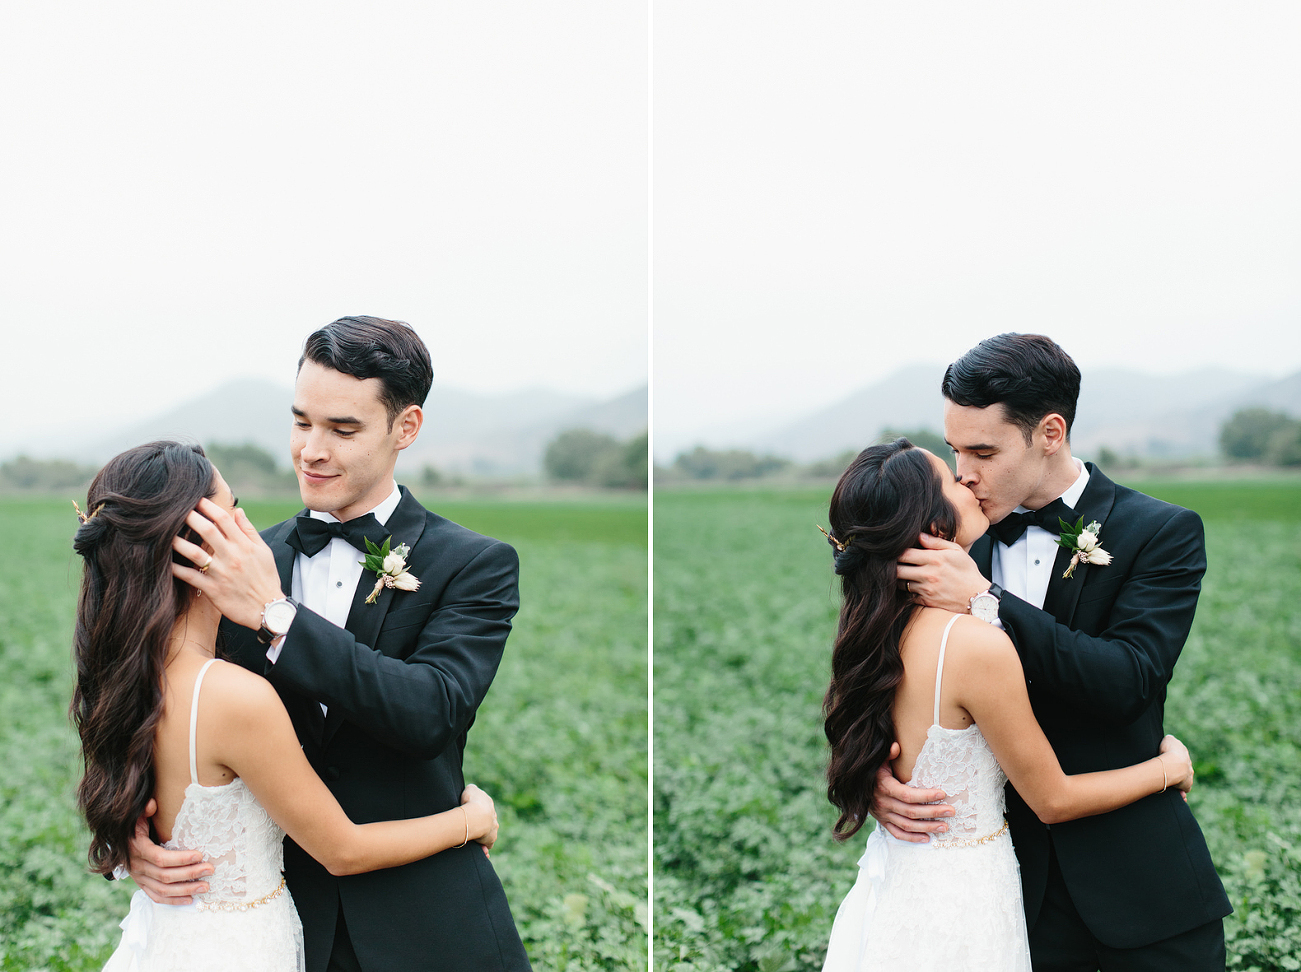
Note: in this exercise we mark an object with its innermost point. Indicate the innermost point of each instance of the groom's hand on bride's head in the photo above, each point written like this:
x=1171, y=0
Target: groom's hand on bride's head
x=905, y=812
x=940, y=574
x=167, y=876
x=240, y=574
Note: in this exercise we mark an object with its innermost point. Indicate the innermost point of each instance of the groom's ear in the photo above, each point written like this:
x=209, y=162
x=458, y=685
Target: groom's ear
x=1052, y=432
x=408, y=423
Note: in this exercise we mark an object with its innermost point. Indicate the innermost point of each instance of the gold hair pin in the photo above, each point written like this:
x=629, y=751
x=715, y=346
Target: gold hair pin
x=840, y=547
x=82, y=516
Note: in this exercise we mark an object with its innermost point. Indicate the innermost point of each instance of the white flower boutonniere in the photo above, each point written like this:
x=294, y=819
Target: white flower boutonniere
x=391, y=566
x=1084, y=543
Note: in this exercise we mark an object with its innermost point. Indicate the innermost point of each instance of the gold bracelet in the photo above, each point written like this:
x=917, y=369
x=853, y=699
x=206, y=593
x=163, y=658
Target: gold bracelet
x=1165, y=779
x=466, y=814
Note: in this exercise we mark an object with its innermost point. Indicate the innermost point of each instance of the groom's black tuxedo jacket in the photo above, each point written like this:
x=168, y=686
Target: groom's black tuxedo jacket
x=402, y=682
x=1097, y=660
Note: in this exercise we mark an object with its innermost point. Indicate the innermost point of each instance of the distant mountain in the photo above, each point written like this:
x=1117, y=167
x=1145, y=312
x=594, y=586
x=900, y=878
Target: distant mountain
x=515, y=443
x=621, y=417
x=910, y=398
x=464, y=431
x=1170, y=416
x=244, y=410
x=1128, y=411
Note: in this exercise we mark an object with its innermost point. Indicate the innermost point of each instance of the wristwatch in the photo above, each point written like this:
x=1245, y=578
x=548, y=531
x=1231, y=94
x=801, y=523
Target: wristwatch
x=277, y=616
x=985, y=604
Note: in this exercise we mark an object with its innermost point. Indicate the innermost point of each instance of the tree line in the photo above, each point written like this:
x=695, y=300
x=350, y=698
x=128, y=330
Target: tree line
x=1255, y=436
x=582, y=456
x=733, y=465
x=578, y=456
x=1258, y=435
x=585, y=457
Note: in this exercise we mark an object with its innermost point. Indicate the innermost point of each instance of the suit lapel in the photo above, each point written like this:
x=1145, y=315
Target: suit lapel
x=284, y=555
x=982, y=552
x=1095, y=504
x=364, y=620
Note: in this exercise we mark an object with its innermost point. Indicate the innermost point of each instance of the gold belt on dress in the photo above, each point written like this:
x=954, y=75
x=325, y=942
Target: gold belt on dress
x=971, y=841
x=241, y=905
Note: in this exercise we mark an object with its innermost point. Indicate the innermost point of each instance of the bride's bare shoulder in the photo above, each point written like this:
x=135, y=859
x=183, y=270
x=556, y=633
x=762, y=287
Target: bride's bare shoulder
x=234, y=692
x=977, y=649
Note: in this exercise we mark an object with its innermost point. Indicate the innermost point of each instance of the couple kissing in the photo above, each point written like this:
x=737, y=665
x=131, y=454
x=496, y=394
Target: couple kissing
x=997, y=696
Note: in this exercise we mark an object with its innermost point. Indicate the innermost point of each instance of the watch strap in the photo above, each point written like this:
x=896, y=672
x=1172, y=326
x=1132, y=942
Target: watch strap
x=264, y=634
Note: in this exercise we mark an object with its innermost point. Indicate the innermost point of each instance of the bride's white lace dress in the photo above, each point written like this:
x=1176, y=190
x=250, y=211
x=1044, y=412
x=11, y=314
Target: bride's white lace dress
x=246, y=920
x=953, y=904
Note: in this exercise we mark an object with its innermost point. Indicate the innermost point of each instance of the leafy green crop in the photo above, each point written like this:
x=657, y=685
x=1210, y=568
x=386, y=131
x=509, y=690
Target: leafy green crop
x=747, y=876
x=560, y=742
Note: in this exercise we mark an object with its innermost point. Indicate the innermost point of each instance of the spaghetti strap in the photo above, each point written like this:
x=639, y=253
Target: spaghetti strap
x=939, y=671
x=194, y=719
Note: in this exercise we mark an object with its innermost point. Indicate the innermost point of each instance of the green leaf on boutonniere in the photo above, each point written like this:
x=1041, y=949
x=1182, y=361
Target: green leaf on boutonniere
x=375, y=555
x=389, y=567
x=1084, y=543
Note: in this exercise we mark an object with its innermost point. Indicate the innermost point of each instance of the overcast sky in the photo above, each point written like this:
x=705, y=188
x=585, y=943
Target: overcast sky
x=840, y=188
x=844, y=188
x=189, y=189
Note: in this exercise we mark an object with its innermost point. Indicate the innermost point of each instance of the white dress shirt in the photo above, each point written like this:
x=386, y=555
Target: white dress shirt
x=1026, y=567
x=327, y=581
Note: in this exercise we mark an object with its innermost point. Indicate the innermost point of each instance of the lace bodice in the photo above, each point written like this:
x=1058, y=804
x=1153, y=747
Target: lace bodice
x=954, y=902
x=959, y=762
x=236, y=835
x=246, y=920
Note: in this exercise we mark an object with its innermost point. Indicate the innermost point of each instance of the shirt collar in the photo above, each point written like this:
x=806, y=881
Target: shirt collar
x=382, y=511
x=1076, y=490
x=1072, y=496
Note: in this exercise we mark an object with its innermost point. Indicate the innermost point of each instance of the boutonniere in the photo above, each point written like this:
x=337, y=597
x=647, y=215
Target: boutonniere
x=391, y=565
x=1084, y=543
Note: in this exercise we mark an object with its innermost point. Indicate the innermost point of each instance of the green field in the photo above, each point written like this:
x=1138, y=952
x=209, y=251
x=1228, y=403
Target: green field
x=560, y=742
x=747, y=876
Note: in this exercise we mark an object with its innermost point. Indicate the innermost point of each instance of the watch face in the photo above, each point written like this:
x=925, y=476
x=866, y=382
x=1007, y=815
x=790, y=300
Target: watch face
x=985, y=607
x=279, y=616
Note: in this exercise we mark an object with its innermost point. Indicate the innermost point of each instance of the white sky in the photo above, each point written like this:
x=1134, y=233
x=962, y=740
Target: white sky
x=842, y=188
x=187, y=190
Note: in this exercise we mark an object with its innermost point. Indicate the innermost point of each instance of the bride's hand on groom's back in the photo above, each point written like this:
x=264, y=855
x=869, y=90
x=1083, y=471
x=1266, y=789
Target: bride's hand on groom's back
x=1178, y=764
x=906, y=812
x=481, y=813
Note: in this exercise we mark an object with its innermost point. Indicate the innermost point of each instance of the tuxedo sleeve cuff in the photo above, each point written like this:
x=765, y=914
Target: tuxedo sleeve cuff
x=276, y=646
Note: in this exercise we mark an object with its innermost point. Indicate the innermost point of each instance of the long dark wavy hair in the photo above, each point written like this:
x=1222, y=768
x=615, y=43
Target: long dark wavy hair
x=128, y=607
x=889, y=495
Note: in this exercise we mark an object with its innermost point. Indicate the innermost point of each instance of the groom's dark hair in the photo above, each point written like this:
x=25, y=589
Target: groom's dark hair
x=372, y=347
x=1028, y=374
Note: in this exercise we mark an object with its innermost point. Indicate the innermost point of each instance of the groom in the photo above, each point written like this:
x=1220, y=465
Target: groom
x=1130, y=889
x=381, y=694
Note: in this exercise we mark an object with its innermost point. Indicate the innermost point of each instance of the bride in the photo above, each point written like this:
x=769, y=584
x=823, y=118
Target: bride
x=163, y=721
x=942, y=697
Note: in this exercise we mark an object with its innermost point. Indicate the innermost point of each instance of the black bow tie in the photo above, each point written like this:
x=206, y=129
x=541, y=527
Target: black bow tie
x=1010, y=528
x=311, y=535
